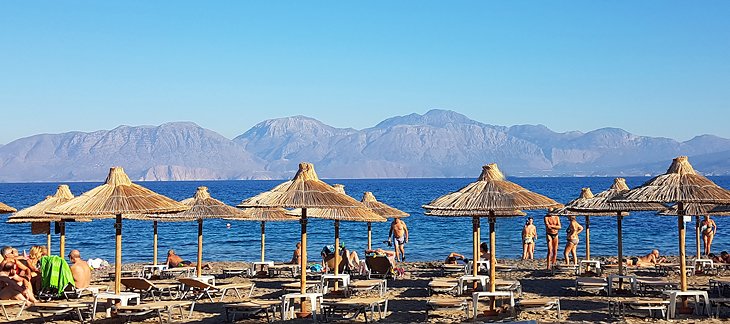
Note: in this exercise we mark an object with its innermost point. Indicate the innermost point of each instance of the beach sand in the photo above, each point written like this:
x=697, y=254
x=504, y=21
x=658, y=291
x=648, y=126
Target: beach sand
x=407, y=295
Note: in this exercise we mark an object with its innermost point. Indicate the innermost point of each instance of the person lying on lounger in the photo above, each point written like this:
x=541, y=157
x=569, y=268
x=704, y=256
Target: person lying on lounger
x=381, y=252
x=453, y=257
x=650, y=259
x=174, y=261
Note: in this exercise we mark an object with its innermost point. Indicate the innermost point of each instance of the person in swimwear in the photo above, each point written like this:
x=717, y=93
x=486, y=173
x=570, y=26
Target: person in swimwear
x=174, y=261
x=399, y=232
x=453, y=257
x=708, y=228
x=529, y=235
x=650, y=259
x=571, y=246
x=552, y=226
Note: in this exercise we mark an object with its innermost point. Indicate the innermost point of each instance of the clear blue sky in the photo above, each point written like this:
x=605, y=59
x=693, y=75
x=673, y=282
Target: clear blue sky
x=659, y=68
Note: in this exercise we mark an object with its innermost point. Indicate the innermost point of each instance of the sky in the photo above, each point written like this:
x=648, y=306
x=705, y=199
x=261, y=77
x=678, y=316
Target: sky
x=656, y=68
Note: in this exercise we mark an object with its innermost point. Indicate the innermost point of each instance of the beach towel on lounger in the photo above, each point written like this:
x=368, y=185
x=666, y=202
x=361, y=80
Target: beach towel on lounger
x=55, y=274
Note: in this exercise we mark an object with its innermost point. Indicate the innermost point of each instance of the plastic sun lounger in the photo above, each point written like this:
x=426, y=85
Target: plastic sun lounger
x=619, y=308
x=232, y=272
x=77, y=293
x=294, y=287
x=356, y=306
x=160, y=307
x=62, y=308
x=442, y=286
x=563, y=268
x=443, y=304
x=656, y=285
x=205, y=289
x=379, y=266
x=278, y=269
x=453, y=269
x=252, y=307
x=148, y=288
x=359, y=286
x=11, y=303
x=539, y=304
x=590, y=284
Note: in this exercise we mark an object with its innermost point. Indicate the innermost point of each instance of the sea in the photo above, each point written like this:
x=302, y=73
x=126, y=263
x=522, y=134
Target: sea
x=431, y=238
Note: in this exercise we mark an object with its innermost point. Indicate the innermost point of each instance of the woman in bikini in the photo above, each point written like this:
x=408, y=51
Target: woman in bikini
x=571, y=245
x=529, y=235
x=708, y=228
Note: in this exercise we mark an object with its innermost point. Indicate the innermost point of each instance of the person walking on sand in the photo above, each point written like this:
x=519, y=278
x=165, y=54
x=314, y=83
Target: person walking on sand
x=708, y=228
x=552, y=226
x=571, y=245
x=529, y=235
x=399, y=232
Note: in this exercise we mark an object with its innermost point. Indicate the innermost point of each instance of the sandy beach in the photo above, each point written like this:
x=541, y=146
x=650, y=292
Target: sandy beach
x=408, y=294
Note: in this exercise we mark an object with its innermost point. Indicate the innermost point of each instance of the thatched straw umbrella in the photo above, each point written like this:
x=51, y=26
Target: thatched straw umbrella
x=698, y=210
x=491, y=193
x=117, y=196
x=37, y=214
x=368, y=199
x=203, y=206
x=4, y=209
x=341, y=214
x=680, y=185
x=264, y=215
x=304, y=191
x=601, y=205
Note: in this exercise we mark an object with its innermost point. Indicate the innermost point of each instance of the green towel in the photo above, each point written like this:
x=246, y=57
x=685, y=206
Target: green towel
x=55, y=274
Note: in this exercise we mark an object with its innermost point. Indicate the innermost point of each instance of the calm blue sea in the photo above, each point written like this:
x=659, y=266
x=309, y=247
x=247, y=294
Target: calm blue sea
x=431, y=237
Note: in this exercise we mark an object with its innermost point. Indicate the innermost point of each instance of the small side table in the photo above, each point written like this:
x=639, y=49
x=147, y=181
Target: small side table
x=697, y=294
x=471, y=278
x=122, y=297
x=505, y=294
x=587, y=264
x=324, y=283
x=630, y=278
x=287, y=310
x=263, y=265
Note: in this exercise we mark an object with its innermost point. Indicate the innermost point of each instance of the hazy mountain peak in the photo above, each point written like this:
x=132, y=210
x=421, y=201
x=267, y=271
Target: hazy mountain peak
x=434, y=117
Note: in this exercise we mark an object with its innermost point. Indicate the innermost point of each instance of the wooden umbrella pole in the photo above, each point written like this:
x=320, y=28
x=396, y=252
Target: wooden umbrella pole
x=370, y=236
x=199, y=265
x=619, y=221
x=682, y=250
x=492, y=257
x=588, y=237
x=303, y=277
x=154, y=242
x=263, y=240
x=337, y=252
x=62, y=239
x=475, y=244
x=697, y=235
x=48, y=238
x=118, y=256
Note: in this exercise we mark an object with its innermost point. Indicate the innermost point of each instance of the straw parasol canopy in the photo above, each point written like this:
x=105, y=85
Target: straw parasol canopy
x=4, y=209
x=37, y=214
x=368, y=199
x=459, y=213
x=117, y=196
x=304, y=191
x=202, y=206
x=681, y=184
x=264, y=215
x=490, y=194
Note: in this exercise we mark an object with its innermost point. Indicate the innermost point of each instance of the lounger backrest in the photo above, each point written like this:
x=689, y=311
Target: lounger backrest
x=330, y=261
x=379, y=265
x=195, y=283
x=137, y=283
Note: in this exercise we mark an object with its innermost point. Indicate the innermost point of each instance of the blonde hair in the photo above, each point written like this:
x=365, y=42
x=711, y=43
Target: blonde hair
x=37, y=251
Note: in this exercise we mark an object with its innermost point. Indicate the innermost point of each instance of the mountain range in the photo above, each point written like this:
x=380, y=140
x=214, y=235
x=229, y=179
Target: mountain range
x=439, y=143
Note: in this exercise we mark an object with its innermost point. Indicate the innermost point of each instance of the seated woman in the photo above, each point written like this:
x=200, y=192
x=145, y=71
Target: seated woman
x=296, y=257
x=175, y=261
x=14, y=287
x=453, y=257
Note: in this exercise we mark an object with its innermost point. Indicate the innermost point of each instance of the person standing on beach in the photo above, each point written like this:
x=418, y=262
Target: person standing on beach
x=571, y=245
x=708, y=228
x=529, y=235
x=552, y=226
x=399, y=232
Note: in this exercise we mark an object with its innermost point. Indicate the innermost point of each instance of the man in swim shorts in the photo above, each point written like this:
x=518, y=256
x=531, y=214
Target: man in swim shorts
x=399, y=232
x=552, y=226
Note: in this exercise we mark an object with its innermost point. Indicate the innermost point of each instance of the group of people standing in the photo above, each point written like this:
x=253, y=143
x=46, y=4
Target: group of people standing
x=552, y=228
x=708, y=229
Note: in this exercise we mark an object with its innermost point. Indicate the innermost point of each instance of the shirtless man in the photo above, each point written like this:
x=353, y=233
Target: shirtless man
x=399, y=232
x=453, y=257
x=14, y=286
x=529, y=235
x=174, y=261
x=708, y=229
x=552, y=226
x=79, y=269
x=571, y=245
x=647, y=260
